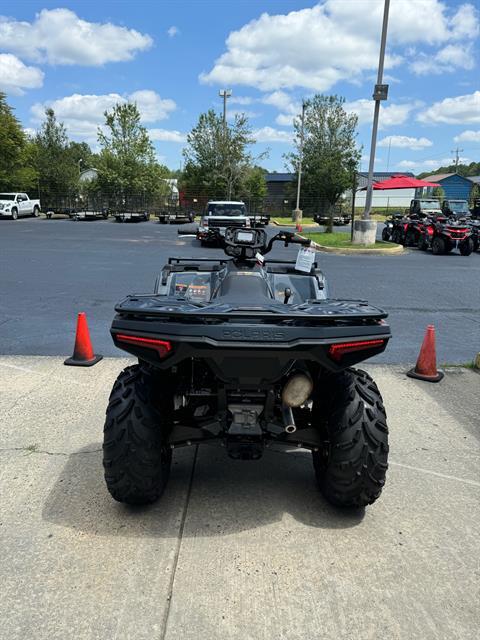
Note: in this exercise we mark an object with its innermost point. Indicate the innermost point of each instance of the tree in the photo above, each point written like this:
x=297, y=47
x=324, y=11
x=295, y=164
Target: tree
x=58, y=171
x=254, y=183
x=17, y=153
x=465, y=170
x=330, y=152
x=217, y=160
x=127, y=162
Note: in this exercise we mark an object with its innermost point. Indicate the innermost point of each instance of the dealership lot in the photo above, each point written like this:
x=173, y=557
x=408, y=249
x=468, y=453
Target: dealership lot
x=50, y=270
x=234, y=549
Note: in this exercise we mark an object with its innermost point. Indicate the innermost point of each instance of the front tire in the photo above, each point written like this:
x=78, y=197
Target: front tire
x=136, y=455
x=466, y=247
x=438, y=246
x=422, y=243
x=385, y=235
x=351, y=467
x=14, y=214
x=410, y=239
x=397, y=236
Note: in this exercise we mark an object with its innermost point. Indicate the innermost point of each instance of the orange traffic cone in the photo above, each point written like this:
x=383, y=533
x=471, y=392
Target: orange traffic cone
x=426, y=367
x=83, y=355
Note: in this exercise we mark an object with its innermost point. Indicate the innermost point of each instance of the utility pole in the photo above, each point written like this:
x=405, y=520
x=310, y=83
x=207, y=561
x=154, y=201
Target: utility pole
x=225, y=94
x=456, y=151
x=298, y=212
x=388, y=156
x=365, y=230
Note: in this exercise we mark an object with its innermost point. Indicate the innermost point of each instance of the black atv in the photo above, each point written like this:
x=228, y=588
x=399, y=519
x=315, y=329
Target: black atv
x=249, y=353
x=474, y=226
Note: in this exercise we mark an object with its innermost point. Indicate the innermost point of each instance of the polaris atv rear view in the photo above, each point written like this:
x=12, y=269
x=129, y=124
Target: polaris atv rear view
x=250, y=353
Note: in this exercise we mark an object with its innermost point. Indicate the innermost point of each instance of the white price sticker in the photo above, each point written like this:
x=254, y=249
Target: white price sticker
x=305, y=259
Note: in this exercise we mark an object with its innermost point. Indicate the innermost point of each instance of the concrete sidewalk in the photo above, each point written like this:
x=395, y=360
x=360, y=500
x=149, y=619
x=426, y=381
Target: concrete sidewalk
x=234, y=550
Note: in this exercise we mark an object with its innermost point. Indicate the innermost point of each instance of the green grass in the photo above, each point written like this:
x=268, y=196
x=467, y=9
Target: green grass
x=462, y=365
x=342, y=241
x=290, y=221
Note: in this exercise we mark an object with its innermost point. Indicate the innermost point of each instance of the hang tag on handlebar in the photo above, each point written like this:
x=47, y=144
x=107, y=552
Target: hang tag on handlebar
x=305, y=259
x=259, y=258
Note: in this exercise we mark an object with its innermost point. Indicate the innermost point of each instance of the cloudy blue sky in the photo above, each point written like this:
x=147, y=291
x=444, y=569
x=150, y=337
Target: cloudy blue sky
x=173, y=57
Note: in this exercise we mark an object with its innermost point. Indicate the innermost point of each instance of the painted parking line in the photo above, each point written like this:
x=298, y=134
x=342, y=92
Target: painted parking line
x=473, y=483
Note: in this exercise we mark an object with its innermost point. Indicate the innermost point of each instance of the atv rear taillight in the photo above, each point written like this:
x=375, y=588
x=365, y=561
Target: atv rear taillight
x=162, y=347
x=337, y=351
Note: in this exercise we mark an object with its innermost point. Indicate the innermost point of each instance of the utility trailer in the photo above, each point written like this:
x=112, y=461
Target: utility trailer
x=90, y=214
x=172, y=214
x=123, y=216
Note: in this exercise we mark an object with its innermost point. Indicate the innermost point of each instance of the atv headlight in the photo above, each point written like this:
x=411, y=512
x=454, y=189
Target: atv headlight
x=297, y=390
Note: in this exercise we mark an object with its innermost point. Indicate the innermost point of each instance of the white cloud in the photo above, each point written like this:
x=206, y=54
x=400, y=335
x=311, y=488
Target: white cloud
x=425, y=165
x=59, y=36
x=285, y=119
x=173, y=31
x=165, y=135
x=447, y=60
x=283, y=102
x=405, y=142
x=390, y=115
x=319, y=46
x=243, y=100
x=152, y=107
x=459, y=110
x=83, y=113
x=468, y=136
x=16, y=76
x=269, y=134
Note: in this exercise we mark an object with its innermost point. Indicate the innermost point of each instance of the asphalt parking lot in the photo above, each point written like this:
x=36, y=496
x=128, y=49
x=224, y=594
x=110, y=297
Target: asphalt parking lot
x=52, y=269
x=234, y=550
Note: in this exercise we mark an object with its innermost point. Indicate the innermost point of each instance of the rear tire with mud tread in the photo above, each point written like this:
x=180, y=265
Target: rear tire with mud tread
x=136, y=456
x=349, y=411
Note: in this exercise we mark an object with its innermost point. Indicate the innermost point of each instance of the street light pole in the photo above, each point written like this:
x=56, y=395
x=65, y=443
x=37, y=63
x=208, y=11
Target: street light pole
x=301, y=156
x=298, y=212
x=380, y=93
x=225, y=93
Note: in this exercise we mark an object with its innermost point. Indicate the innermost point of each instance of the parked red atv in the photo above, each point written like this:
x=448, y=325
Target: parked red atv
x=442, y=236
x=408, y=230
x=414, y=230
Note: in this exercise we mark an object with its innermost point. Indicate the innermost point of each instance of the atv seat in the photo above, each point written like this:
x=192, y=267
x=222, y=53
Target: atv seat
x=243, y=289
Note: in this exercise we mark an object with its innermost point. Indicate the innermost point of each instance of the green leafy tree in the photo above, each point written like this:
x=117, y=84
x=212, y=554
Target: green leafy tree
x=465, y=170
x=217, y=160
x=127, y=164
x=254, y=184
x=17, y=153
x=329, y=152
x=58, y=171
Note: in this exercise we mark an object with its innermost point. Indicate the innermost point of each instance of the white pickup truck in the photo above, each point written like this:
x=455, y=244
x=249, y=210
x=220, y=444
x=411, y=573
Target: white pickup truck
x=13, y=205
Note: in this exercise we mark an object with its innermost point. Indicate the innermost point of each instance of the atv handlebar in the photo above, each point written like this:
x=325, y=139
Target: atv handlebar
x=287, y=237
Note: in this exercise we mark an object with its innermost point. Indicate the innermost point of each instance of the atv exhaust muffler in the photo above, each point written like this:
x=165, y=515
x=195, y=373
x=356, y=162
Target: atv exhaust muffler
x=297, y=389
x=288, y=420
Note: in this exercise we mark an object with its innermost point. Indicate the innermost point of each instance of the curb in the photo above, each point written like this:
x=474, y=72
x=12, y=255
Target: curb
x=346, y=250
x=294, y=226
x=476, y=362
